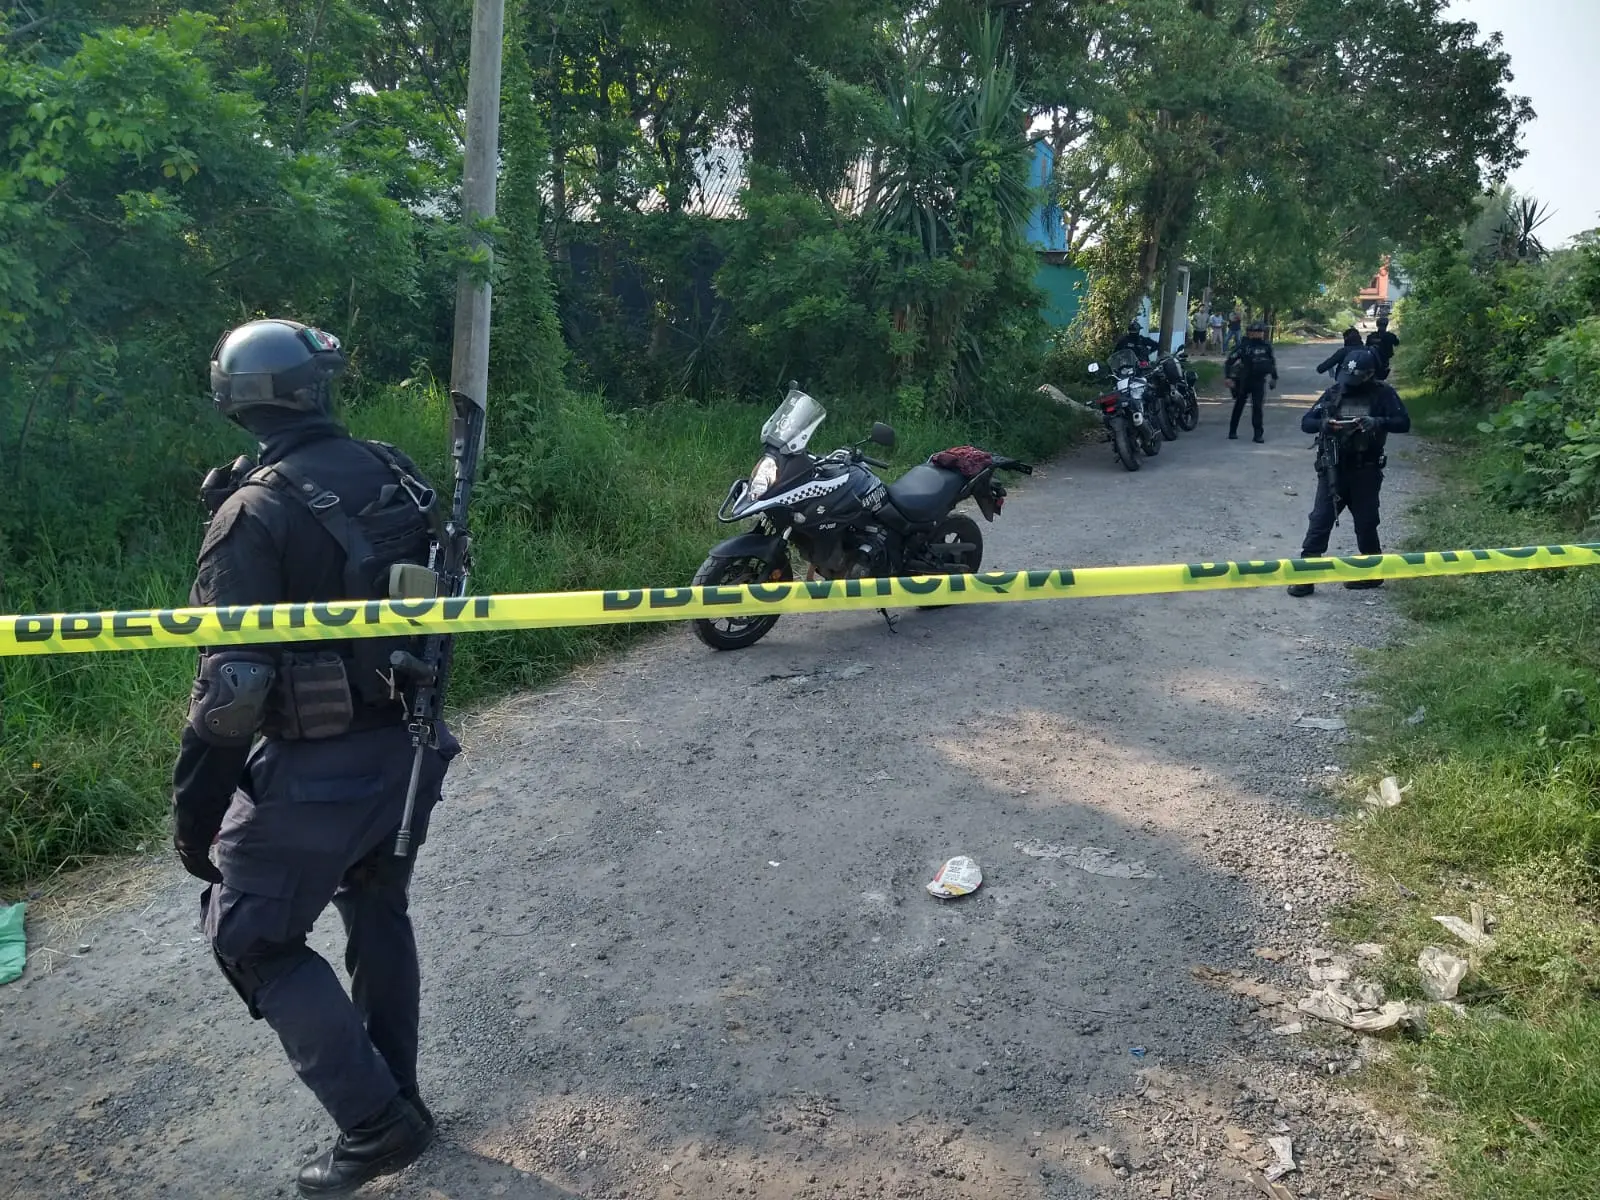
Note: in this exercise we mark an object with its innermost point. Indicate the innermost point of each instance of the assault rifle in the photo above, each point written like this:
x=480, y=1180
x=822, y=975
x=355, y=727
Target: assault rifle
x=1332, y=445
x=450, y=560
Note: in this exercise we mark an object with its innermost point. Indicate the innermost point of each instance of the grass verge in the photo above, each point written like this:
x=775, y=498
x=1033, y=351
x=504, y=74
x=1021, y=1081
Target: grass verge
x=1491, y=709
x=625, y=499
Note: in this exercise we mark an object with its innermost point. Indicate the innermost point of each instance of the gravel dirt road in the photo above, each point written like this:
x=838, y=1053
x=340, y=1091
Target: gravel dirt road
x=674, y=930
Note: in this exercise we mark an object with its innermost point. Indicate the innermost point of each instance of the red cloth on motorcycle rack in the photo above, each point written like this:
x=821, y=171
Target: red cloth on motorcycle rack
x=969, y=460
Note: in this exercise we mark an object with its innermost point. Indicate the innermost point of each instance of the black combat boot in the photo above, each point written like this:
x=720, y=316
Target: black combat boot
x=411, y=1097
x=381, y=1145
x=1361, y=585
x=1301, y=589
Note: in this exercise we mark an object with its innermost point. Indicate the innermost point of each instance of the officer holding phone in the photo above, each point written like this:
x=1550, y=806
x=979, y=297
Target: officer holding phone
x=1351, y=420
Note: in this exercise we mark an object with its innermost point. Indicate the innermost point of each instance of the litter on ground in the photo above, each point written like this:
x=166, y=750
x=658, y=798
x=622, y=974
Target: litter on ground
x=960, y=876
x=1466, y=931
x=1388, y=795
x=1442, y=972
x=1326, y=724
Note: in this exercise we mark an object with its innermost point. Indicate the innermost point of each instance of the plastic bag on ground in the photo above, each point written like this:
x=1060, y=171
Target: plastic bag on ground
x=1442, y=972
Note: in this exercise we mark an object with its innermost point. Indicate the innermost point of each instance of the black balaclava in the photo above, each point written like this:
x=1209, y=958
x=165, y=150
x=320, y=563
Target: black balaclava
x=280, y=430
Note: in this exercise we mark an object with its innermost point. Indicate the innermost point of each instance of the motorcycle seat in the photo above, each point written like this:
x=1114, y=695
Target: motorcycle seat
x=926, y=492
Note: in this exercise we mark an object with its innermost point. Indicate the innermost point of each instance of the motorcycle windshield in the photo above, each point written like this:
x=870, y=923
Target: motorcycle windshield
x=791, y=426
x=1124, y=360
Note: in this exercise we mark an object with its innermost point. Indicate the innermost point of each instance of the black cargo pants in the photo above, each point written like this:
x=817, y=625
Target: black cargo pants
x=314, y=822
x=1358, y=492
x=1253, y=388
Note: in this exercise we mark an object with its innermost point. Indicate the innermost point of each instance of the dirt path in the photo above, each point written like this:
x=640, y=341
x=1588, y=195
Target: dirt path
x=674, y=930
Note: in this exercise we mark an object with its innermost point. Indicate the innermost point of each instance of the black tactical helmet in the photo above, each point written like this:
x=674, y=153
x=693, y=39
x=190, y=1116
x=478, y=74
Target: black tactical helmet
x=1383, y=322
x=1134, y=326
x=1358, y=367
x=1257, y=327
x=276, y=364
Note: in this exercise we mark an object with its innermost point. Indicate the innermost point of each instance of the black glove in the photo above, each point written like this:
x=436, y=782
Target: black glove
x=197, y=860
x=1274, y=384
x=1370, y=424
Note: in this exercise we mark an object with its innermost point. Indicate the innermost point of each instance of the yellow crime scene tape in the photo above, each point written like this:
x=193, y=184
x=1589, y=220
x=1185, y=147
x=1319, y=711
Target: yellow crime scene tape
x=156, y=629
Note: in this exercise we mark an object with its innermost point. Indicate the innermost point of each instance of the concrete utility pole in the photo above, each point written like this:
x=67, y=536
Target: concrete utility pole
x=469, y=362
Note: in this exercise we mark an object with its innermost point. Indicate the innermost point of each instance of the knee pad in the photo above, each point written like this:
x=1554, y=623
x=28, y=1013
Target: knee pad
x=229, y=701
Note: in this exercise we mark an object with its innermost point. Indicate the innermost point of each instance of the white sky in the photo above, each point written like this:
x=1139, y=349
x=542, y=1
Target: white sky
x=1554, y=47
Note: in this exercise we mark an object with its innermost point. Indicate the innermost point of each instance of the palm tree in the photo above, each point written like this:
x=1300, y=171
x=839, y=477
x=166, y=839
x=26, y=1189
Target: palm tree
x=1513, y=238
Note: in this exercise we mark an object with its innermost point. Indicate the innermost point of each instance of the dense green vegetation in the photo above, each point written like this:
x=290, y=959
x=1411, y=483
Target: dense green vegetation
x=699, y=200
x=1504, y=760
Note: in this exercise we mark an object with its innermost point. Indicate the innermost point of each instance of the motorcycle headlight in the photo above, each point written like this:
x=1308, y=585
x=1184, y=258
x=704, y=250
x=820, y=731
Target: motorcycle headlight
x=763, y=477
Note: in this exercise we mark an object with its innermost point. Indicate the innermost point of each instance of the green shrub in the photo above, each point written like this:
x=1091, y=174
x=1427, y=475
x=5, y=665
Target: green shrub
x=1555, y=427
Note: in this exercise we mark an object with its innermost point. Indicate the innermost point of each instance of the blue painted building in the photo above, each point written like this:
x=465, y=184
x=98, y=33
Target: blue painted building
x=1062, y=283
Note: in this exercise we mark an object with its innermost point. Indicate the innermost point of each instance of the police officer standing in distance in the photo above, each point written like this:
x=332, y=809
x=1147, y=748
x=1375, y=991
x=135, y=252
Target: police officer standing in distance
x=1251, y=366
x=1382, y=343
x=294, y=763
x=1352, y=420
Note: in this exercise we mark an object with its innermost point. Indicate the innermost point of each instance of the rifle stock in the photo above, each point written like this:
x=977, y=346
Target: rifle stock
x=451, y=560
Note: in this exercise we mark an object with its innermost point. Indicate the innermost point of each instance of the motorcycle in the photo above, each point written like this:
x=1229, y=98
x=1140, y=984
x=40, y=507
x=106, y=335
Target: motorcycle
x=1155, y=413
x=1123, y=411
x=1176, y=383
x=842, y=519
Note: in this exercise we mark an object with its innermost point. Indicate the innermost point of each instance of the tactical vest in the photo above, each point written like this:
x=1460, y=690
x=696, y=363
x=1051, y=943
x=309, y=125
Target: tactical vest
x=327, y=689
x=1254, y=360
x=1351, y=449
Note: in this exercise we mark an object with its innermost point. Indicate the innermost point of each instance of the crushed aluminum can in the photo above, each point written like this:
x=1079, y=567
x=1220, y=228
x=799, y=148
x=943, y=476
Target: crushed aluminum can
x=958, y=877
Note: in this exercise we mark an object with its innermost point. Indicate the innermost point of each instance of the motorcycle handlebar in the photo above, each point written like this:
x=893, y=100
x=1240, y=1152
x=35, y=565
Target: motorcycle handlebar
x=874, y=462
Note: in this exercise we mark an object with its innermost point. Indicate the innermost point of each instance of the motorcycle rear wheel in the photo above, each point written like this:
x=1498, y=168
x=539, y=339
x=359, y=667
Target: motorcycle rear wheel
x=1189, y=414
x=1167, y=424
x=735, y=633
x=1122, y=443
x=960, y=529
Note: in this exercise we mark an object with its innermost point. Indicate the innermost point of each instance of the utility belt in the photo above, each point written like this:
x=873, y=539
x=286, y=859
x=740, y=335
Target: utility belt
x=314, y=695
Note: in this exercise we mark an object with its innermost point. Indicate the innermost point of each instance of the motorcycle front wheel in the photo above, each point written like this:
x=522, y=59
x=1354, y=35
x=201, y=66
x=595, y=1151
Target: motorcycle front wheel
x=735, y=633
x=1122, y=443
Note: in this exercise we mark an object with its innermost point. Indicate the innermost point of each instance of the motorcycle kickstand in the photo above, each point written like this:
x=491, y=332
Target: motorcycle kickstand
x=889, y=619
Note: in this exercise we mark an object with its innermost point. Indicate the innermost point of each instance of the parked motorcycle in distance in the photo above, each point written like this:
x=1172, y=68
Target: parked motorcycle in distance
x=1122, y=410
x=841, y=518
x=1176, y=382
x=1136, y=367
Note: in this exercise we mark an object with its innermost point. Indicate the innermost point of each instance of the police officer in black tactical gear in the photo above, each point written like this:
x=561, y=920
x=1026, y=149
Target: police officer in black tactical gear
x=294, y=763
x=1352, y=420
x=1382, y=343
x=1250, y=367
x=1135, y=340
